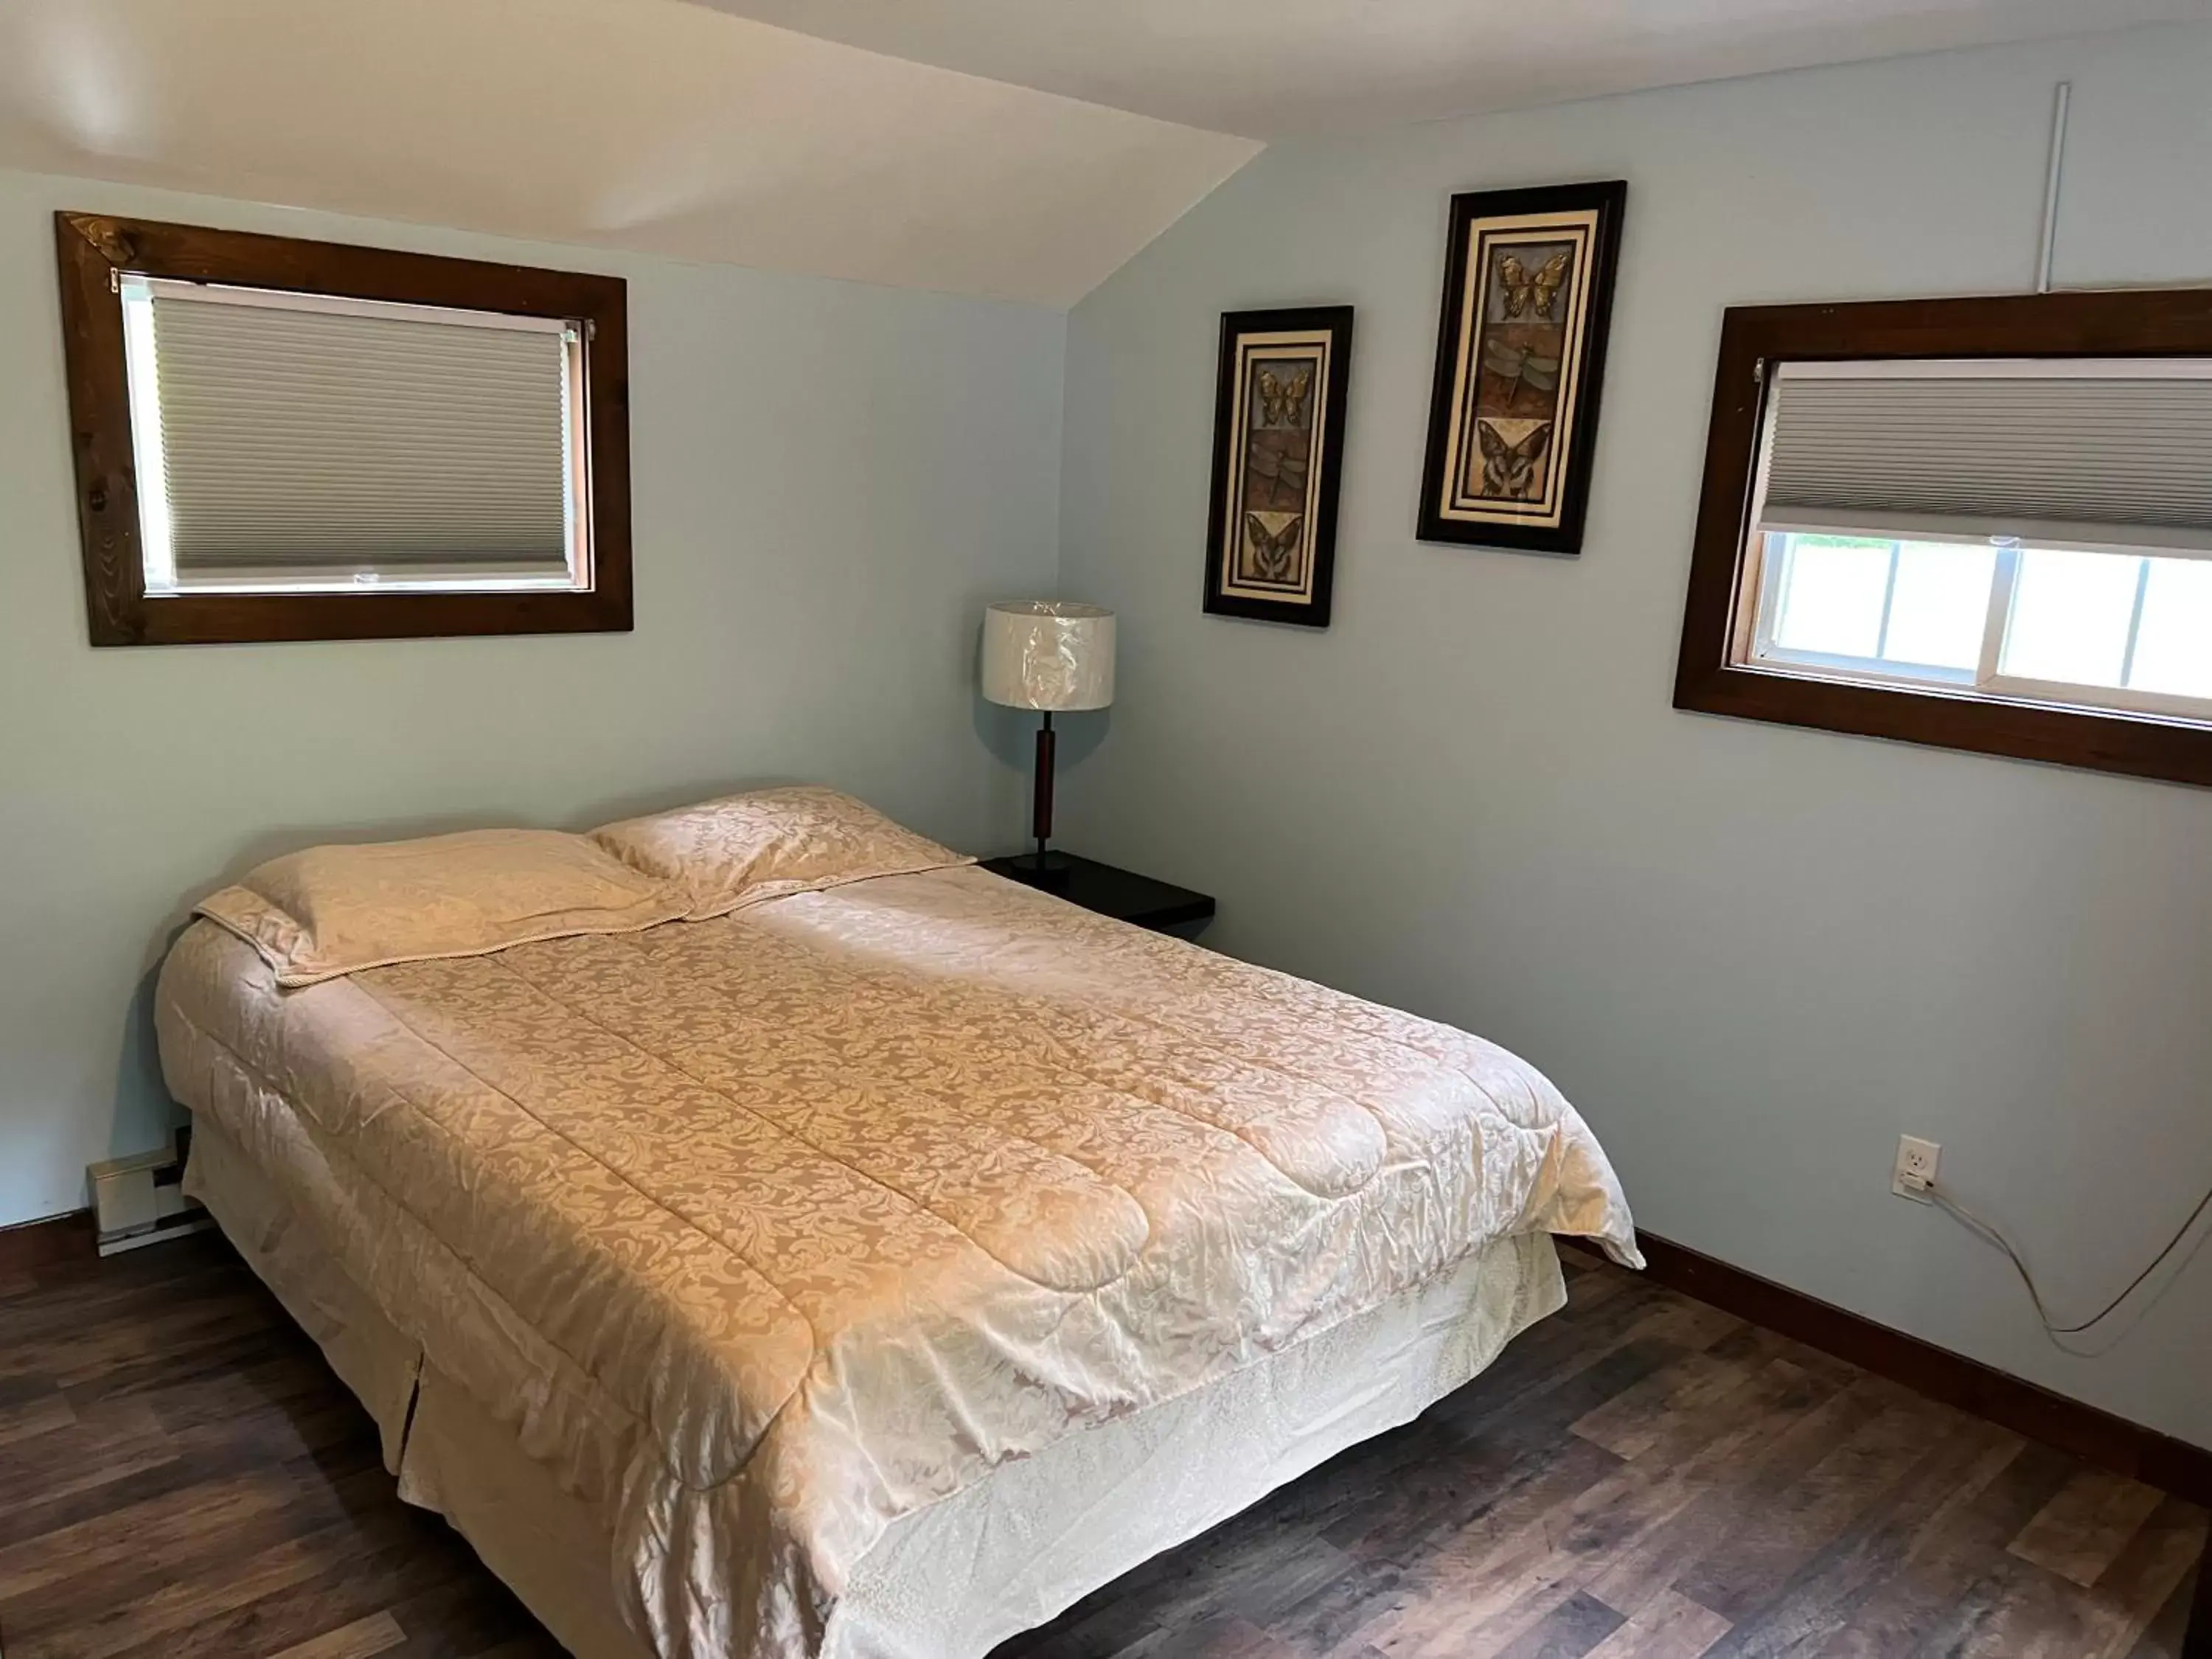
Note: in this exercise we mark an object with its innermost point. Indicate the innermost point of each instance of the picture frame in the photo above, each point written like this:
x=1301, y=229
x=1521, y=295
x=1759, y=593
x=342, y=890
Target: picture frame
x=1521, y=344
x=1278, y=419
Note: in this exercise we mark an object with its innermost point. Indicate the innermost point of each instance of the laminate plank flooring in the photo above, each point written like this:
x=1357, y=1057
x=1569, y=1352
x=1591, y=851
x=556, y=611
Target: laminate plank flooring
x=1641, y=1476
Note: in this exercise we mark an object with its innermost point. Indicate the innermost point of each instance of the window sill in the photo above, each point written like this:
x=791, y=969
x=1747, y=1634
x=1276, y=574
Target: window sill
x=239, y=618
x=2175, y=750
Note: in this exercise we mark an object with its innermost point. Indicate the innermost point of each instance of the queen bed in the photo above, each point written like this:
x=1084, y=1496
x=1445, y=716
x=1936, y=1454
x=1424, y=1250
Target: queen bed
x=762, y=1233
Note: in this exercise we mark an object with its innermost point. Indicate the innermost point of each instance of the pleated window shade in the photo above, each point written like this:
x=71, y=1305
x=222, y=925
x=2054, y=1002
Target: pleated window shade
x=324, y=441
x=2070, y=452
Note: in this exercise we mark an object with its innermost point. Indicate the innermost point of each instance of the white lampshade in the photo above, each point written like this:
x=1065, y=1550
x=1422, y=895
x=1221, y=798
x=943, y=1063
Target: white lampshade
x=1048, y=653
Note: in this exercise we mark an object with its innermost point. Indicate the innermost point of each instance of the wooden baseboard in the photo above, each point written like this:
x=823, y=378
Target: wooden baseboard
x=2097, y=1436
x=35, y=1244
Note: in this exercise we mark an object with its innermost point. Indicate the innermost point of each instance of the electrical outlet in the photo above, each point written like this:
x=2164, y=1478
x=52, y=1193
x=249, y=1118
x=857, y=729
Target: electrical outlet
x=1916, y=1168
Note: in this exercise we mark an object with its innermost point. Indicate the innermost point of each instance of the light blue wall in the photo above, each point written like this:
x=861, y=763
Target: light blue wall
x=831, y=480
x=1754, y=954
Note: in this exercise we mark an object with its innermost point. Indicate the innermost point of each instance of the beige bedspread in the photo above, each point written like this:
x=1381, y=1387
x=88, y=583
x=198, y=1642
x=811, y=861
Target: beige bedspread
x=766, y=1231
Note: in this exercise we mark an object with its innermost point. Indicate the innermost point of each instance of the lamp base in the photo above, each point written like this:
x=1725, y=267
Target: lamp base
x=1047, y=870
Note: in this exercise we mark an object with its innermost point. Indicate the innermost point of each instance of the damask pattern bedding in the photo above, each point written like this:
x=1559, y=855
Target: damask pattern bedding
x=767, y=1229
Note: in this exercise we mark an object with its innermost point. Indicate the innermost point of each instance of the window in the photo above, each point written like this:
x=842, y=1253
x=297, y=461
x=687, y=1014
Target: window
x=287, y=440
x=1985, y=524
x=2080, y=627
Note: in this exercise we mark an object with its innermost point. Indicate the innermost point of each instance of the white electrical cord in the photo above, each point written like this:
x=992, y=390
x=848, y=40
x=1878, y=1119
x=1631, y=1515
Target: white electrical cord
x=2051, y=1328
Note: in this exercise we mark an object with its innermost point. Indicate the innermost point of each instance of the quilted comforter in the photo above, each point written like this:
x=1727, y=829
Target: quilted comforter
x=768, y=1230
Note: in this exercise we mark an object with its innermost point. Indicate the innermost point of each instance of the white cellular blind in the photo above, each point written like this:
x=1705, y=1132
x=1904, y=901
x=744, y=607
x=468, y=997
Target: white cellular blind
x=340, y=436
x=2109, y=452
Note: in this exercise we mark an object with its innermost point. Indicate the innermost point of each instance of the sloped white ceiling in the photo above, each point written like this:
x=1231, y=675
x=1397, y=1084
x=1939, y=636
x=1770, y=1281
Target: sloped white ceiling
x=1278, y=68
x=652, y=125
x=1017, y=148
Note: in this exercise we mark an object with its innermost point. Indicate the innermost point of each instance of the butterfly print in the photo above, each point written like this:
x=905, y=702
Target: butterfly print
x=1549, y=281
x=1512, y=471
x=1272, y=552
x=1535, y=295
x=1282, y=398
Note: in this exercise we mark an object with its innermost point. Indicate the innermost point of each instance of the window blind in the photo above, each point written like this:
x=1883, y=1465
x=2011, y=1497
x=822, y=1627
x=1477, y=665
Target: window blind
x=324, y=437
x=2071, y=450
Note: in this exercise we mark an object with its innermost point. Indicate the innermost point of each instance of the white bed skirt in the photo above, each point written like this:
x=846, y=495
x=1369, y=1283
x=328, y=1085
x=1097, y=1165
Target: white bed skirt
x=953, y=1580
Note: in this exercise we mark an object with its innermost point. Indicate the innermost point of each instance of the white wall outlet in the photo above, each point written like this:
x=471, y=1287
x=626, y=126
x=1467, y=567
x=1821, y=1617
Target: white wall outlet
x=1916, y=1168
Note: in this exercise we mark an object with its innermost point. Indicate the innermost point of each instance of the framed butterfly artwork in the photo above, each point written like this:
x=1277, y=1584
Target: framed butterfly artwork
x=1278, y=453
x=1520, y=361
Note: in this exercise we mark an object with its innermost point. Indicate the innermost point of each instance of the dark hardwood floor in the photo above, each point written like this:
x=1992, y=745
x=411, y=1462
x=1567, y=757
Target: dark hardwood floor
x=1642, y=1477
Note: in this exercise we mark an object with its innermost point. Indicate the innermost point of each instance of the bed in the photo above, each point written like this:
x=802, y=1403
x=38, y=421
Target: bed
x=764, y=1234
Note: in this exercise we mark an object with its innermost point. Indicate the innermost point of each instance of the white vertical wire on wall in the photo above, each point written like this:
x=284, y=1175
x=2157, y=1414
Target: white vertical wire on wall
x=2051, y=184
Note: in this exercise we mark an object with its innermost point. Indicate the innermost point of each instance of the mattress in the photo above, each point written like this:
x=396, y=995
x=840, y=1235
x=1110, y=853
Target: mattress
x=760, y=1235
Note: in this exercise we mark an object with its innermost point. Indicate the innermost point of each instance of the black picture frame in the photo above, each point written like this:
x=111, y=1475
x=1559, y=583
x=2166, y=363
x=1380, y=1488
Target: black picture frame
x=1550, y=450
x=1257, y=422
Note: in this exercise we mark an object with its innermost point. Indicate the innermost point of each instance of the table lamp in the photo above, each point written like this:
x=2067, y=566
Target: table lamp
x=1052, y=655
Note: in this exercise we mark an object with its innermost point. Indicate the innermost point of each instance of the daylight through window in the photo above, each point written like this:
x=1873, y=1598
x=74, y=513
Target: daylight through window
x=2124, y=629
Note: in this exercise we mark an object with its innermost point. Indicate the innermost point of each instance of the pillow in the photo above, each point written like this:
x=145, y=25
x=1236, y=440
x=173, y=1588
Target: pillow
x=333, y=910
x=744, y=850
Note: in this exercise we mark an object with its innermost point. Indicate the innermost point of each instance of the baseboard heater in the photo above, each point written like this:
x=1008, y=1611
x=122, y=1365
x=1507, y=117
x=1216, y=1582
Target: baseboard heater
x=138, y=1201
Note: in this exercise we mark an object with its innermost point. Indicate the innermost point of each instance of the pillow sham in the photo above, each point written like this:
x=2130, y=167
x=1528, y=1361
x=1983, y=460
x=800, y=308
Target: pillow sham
x=329, y=911
x=744, y=850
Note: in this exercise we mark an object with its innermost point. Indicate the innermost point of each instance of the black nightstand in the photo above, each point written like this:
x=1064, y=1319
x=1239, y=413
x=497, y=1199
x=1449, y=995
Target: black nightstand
x=1121, y=894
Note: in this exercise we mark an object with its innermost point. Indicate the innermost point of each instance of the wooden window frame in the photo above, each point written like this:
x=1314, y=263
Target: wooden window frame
x=94, y=249
x=1716, y=615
